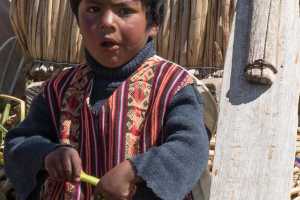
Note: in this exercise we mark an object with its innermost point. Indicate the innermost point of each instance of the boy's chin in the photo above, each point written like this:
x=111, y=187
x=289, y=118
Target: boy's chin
x=113, y=63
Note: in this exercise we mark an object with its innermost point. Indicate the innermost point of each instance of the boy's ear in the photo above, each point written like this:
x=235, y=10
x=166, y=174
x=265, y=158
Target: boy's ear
x=153, y=31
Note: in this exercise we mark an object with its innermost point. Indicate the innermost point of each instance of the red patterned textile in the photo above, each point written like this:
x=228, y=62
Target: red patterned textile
x=128, y=123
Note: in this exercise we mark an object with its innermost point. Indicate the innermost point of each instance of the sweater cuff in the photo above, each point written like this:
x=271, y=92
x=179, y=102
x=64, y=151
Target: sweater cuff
x=23, y=163
x=146, y=180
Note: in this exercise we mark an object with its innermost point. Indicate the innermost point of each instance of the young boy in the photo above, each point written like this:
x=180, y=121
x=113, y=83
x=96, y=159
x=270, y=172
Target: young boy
x=127, y=116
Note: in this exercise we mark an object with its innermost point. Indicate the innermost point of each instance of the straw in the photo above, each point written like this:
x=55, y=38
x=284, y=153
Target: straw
x=47, y=30
x=195, y=33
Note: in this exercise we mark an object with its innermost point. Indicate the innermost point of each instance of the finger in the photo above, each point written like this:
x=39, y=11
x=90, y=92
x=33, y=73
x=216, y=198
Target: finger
x=99, y=193
x=52, y=173
x=59, y=168
x=133, y=189
x=67, y=169
x=99, y=197
x=51, y=168
x=98, y=189
x=48, y=166
x=76, y=167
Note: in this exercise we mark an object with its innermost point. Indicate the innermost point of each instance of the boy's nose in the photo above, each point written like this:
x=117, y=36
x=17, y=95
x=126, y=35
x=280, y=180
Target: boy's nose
x=106, y=24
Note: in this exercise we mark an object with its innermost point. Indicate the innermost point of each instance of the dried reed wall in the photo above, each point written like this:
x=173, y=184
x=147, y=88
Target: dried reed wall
x=194, y=33
x=48, y=33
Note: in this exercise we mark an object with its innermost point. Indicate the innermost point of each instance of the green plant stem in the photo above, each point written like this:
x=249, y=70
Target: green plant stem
x=1, y=159
x=5, y=114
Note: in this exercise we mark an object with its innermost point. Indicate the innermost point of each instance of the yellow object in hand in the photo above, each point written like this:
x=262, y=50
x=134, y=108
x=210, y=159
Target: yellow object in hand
x=83, y=176
x=89, y=179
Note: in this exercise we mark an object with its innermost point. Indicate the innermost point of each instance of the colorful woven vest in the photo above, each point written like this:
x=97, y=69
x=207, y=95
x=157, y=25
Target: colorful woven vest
x=128, y=123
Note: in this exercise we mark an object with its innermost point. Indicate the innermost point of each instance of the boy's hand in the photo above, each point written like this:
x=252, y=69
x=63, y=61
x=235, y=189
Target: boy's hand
x=118, y=184
x=64, y=164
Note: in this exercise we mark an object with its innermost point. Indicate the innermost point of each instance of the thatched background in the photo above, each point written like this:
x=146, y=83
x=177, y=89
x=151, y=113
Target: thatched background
x=194, y=34
x=47, y=32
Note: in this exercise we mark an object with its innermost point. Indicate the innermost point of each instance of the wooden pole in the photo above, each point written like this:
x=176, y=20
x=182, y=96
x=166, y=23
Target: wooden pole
x=257, y=123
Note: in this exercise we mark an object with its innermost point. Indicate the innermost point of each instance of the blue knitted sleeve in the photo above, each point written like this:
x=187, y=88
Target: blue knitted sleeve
x=171, y=170
x=26, y=146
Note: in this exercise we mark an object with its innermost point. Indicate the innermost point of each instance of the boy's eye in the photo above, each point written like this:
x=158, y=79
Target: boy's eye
x=93, y=9
x=123, y=12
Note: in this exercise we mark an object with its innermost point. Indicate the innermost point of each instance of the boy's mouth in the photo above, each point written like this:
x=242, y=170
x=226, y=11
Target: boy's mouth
x=107, y=44
x=110, y=45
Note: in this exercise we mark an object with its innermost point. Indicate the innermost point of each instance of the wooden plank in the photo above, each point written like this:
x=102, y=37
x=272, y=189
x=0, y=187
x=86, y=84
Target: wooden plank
x=257, y=124
x=264, y=46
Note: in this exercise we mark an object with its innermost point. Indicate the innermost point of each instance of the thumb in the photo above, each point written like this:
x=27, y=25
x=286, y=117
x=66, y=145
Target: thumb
x=76, y=168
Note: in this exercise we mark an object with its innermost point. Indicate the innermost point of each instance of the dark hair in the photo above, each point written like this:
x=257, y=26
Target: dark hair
x=154, y=10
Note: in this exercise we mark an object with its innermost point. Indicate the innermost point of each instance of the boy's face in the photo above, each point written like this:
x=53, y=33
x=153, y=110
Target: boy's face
x=114, y=31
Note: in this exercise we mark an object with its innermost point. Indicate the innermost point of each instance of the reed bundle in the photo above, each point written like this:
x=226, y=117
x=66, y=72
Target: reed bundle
x=47, y=32
x=195, y=33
